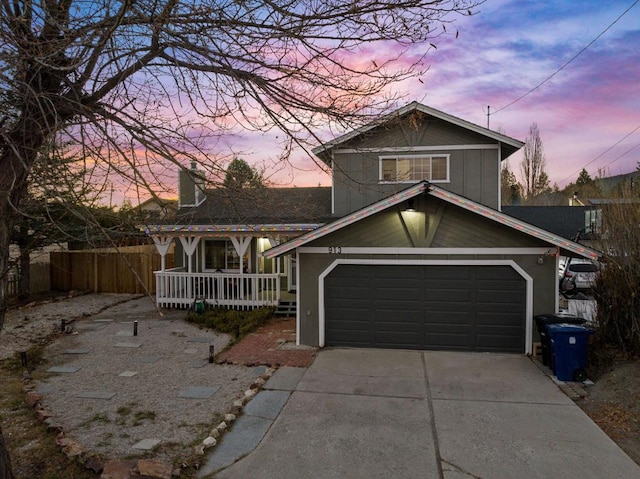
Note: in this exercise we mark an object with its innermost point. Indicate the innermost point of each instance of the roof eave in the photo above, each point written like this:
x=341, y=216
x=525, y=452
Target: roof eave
x=358, y=215
x=511, y=145
x=444, y=195
x=231, y=228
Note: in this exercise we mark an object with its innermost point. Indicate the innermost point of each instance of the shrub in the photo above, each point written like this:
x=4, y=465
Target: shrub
x=231, y=321
x=618, y=283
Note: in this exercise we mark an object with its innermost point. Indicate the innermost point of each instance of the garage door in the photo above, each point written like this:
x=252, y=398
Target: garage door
x=464, y=308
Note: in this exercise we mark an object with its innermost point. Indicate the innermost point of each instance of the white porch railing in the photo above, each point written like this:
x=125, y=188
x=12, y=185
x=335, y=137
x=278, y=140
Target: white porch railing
x=176, y=288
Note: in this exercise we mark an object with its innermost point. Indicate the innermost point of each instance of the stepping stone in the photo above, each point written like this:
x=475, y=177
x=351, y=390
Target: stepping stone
x=198, y=392
x=98, y=320
x=198, y=364
x=64, y=369
x=147, y=444
x=157, y=325
x=75, y=351
x=96, y=395
x=89, y=326
x=244, y=437
x=191, y=351
x=128, y=374
x=45, y=389
x=128, y=345
x=260, y=370
x=267, y=404
x=200, y=340
x=124, y=333
x=145, y=359
x=285, y=378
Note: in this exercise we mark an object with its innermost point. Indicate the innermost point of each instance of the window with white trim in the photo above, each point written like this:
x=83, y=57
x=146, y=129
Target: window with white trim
x=221, y=255
x=414, y=168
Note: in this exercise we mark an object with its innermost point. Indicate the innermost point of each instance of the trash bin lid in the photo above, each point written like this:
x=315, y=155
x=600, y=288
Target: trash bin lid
x=567, y=328
x=559, y=318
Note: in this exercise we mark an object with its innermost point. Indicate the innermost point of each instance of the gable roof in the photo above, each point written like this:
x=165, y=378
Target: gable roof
x=509, y=145
x=452, y=198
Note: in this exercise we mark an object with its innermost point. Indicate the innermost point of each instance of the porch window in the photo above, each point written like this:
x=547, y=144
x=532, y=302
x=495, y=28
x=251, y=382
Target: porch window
x=414, y=168
x=221, y=254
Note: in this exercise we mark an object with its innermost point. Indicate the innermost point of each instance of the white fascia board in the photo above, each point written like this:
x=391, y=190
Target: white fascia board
x=347, y=220
x=444, y=195
x=342, y=250
x=417, y=149
x=424, y=109
x=511, y=222
x=258, y=229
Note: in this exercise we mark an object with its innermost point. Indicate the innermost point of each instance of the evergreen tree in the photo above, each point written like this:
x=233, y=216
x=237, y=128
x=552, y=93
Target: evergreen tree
x=242, y=175
x=584, y=178
x=510, y=189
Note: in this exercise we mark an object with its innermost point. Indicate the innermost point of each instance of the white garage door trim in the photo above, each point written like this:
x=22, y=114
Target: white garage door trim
x=528, y=279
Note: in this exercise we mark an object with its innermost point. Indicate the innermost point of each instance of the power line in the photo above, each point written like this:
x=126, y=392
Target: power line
x=568, y=62
x=605, y=152
x=628, y=151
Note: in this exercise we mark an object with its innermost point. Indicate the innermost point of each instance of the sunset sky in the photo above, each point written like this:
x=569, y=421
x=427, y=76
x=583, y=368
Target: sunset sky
x=584, y=112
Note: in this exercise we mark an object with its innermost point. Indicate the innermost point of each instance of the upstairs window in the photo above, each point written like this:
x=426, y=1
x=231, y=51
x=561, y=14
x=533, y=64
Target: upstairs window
x=414, y=168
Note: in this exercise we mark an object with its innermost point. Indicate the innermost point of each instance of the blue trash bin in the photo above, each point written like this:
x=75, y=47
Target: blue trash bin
x=544, y=320
x=569, y=350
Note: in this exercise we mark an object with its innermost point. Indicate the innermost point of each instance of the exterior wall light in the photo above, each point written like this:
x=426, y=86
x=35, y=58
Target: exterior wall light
x=410, y=208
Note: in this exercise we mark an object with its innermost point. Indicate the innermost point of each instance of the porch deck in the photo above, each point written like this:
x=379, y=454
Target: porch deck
x=176, y=288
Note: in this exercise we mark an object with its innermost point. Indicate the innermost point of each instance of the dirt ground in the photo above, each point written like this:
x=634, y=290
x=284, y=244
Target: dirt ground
x=613, y=403
x=158, y=386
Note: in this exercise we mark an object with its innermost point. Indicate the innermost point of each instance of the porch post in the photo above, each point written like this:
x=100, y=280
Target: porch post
x=241, y=244
x=163, y=243
x=189, y=244
x=275, y=241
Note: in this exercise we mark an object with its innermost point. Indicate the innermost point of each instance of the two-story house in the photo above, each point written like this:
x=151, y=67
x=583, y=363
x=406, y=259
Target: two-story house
x=407, y=249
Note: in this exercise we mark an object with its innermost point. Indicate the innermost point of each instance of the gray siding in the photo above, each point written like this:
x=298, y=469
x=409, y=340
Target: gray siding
x=474, y=172
x=458, y=229
x=437, y=224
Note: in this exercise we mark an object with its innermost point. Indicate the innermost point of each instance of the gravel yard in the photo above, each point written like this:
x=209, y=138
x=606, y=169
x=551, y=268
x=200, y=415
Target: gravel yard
x=118, y=394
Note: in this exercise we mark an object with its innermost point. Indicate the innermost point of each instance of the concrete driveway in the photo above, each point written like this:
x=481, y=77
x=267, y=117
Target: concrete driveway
x=363, y=413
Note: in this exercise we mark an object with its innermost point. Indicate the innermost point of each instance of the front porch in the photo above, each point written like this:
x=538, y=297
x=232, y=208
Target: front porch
x=177, y=288
x=223, y=266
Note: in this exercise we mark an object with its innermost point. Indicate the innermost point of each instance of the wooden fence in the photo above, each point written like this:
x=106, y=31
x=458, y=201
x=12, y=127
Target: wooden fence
x=129, y=270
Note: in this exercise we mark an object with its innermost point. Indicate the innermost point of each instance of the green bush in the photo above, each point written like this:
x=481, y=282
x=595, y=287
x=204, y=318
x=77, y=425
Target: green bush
x=231, y=321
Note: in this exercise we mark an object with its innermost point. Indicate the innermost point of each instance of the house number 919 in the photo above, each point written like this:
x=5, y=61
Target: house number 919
x=335, y=249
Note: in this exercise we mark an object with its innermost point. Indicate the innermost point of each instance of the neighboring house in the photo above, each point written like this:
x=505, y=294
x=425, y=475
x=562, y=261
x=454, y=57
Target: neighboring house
x=582, y=224
x=158, y=208
x=577, y=223
x=407, y=249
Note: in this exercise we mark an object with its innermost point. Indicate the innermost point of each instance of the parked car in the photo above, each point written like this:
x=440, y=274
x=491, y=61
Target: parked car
x=579, y=275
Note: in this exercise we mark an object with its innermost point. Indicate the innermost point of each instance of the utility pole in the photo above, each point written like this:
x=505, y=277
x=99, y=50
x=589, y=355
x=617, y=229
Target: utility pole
x=488, y=115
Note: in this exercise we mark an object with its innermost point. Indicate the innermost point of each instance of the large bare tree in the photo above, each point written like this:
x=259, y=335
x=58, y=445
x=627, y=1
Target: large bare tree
x=533, y=165
x=138, y=84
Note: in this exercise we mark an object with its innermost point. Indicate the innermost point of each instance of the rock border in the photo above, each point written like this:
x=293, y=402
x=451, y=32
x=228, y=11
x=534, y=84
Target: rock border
x=238, y=406
x=146, y=468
